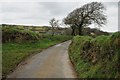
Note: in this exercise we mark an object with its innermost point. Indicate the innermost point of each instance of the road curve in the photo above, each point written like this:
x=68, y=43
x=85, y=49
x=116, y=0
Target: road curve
x=50, y=63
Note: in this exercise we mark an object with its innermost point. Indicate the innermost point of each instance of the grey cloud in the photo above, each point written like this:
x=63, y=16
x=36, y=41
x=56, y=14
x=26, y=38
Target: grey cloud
x=39, y=13
x=57, y=8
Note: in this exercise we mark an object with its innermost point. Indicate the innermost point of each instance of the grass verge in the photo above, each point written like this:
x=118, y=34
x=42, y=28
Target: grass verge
x=13, y=53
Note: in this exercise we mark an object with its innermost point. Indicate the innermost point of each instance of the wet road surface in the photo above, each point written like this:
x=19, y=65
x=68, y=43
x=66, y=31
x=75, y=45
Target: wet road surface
x=50, y=63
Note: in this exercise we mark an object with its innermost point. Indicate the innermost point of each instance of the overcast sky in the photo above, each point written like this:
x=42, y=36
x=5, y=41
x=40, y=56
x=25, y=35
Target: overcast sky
x=39, y=13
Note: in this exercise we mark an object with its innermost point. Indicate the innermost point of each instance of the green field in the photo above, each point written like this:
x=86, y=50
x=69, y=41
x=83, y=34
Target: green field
x=96, y=57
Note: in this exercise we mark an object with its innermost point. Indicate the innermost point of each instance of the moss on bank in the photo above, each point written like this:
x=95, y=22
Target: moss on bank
x=96, y=57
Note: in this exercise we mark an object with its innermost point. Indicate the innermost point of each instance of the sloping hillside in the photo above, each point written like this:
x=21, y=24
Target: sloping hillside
x=96, y=57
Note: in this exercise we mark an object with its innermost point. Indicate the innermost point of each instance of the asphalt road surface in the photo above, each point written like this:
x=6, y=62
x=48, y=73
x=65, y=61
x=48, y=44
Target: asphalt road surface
x=50, y=63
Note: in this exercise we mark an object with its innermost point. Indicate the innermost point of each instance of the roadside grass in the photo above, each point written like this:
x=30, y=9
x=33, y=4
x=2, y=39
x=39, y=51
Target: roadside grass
x=13, y=53
x=96, y=57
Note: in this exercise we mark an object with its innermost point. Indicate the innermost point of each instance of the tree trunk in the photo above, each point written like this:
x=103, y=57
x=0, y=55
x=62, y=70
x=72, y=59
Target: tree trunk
x=52, y=31
x=80, y=31
x=80, y=28
x=73, y=32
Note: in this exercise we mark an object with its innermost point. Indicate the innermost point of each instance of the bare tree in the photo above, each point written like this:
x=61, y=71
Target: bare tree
x=54, y=24
x=57, y=24
x=86, y=15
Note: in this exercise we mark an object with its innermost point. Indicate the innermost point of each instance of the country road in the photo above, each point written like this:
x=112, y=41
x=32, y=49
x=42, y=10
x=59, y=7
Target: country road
x=50, y=63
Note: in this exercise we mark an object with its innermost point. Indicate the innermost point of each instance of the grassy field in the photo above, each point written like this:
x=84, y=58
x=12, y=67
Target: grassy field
x=13, y=53
x=96, y=57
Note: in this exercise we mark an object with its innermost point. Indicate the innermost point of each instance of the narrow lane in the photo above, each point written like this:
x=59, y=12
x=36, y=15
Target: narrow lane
x=51, y=63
